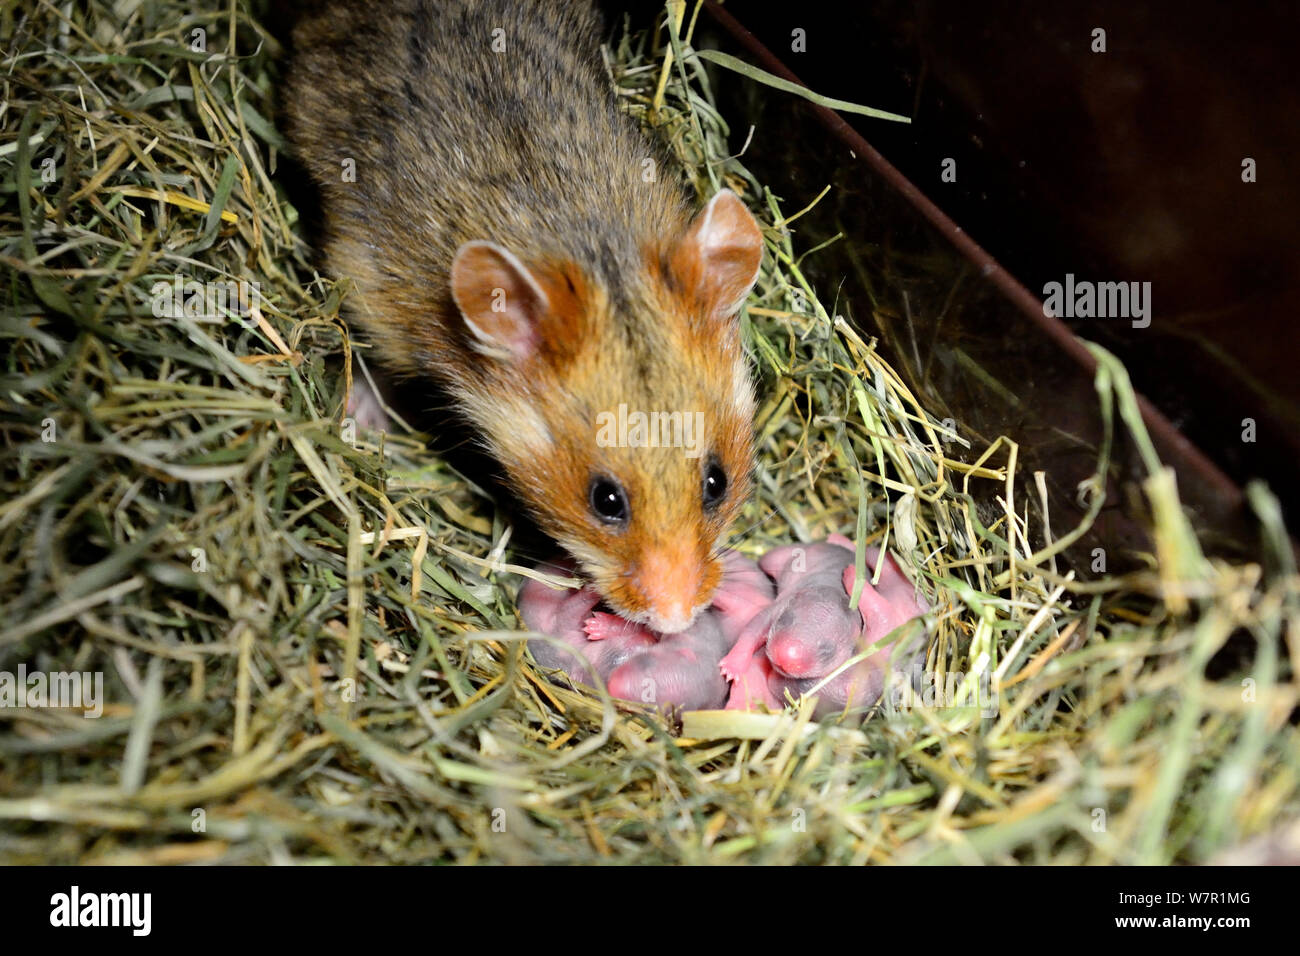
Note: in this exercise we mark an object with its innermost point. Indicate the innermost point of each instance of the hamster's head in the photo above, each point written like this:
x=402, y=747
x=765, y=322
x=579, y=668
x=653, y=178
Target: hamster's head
x=623, y=411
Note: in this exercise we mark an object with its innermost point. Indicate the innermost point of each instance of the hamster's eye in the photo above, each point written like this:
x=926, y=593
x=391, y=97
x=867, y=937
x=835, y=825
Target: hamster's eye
x=715, y=485
x=607, y=501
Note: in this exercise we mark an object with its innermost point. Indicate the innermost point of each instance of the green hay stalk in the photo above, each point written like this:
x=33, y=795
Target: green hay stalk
x=308, y=637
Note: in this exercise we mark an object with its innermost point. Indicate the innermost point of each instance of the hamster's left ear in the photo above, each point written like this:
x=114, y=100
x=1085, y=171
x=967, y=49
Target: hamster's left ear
x=717, y=260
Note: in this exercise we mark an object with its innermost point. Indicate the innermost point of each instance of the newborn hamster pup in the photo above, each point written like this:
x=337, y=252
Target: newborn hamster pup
x=684, y=668
x=563, y=615
x=515, y=239
x=680, y=669
x=809, y=598
x=809, y=630
x=881, y=610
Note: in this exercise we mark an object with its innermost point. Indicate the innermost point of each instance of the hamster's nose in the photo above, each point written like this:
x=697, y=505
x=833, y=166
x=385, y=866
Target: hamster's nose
x=670, y=579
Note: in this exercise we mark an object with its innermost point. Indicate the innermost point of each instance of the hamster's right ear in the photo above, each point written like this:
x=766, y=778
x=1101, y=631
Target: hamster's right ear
x=501, y=301
x=719, y=257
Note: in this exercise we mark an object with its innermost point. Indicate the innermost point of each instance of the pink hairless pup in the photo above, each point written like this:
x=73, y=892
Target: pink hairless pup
x=755, y=643
x=640, y=664
x=809, y=630
x=684, y=669
x=563, y=615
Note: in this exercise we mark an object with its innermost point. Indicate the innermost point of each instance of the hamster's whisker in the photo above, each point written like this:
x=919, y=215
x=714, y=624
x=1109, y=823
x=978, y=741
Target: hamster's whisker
x=742, y=534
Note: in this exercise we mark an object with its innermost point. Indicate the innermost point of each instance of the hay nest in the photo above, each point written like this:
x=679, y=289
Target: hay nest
x=307, y=636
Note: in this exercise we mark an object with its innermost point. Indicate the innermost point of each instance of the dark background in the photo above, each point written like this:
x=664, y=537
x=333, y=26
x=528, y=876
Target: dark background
x=1116, y=166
